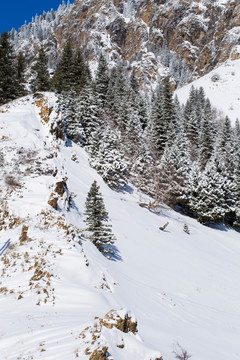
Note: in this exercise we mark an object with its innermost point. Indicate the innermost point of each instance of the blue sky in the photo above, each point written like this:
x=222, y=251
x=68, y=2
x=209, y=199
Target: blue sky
x=13, y=13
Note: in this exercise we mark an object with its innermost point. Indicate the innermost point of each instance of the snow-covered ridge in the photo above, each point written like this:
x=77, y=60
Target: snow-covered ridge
x=41, y=26
x=181, y=287
x=40, y=30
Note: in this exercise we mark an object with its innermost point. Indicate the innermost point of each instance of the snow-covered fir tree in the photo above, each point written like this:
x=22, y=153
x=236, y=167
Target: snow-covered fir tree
x=64, y=75
x=174, y=172
x=207, y=195
x=98, y=228
x=107, y=159
x=40, y=75
x=102, y=80
x=8, y=72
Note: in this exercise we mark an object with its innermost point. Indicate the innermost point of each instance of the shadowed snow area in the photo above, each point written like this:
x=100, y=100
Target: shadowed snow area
x=181, y=288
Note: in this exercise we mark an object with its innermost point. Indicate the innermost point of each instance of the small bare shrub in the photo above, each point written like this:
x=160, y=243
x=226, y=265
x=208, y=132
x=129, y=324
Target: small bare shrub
x=180, y=353
x=11, y=181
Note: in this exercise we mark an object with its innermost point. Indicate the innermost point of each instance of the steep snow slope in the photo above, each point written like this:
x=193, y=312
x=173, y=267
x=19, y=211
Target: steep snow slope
x=182, y=288
x=222, y=87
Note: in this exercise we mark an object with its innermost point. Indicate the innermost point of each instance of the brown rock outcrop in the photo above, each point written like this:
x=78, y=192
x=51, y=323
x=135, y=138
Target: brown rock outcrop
x=203, y=32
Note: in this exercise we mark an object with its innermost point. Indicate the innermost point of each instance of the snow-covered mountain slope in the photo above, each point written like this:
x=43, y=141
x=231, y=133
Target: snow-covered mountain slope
x=55, y=287
x=222, y=87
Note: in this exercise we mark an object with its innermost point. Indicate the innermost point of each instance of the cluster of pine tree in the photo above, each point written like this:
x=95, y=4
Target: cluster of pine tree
x=11, y=71
x=177, y=66
x=41, y=27
x=184, y=156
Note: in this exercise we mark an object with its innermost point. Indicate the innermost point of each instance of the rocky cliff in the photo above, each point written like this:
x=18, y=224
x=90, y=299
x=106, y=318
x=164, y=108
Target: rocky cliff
x=203, y=32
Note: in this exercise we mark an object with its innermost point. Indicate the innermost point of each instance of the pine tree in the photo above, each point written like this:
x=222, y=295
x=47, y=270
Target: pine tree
x=120, y=98
x=174, y=172
x=8, y=73
x=63, y=78
x=168, y=110
x=207, y=196
x=143, y=109
x=87, y=112
x=133, y=137
x=41, y=79
x=157, y=128
x=225, y=146
x=20, y=74
x=236, y=192
x=97, y=219
x=205, y=144
x=107, y=159
x=134, y=81
x=81, y=73
x=102, y=80
x=73, y=127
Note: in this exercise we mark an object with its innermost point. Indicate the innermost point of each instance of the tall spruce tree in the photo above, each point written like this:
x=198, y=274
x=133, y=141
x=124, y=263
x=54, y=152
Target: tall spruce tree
x=20, y=74
x=134, y=81
x=88, y=112
x=169, y=110
x=41, y=79
x=157, y=128
x=102, y=80
x=174, y=172
x=207, y=196
x=120, y=98
x=205, y=144
x=81, y=74
x=97, y=220
x=63, y=78
x=8, y=72
x=107, y=159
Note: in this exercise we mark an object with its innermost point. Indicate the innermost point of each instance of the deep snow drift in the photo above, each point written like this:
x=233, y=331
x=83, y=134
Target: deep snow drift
x=181, y=288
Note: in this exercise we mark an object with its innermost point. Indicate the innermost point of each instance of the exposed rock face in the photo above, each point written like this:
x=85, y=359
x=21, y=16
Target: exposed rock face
x=203, y=32
x=122, y=322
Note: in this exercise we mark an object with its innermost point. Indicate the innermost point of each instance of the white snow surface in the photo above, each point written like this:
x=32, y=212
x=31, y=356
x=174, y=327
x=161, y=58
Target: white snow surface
x=181, y=288
x=224, y=92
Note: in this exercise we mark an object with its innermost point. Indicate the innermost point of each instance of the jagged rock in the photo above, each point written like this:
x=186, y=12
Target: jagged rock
x=197, y=30
x=61, y=187
x=45, y=110
x=99, y=354
x=53, y=201
x=122, y=321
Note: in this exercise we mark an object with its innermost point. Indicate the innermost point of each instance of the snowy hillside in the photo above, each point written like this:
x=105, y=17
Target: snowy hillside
x=56, y=288
x=222, y=87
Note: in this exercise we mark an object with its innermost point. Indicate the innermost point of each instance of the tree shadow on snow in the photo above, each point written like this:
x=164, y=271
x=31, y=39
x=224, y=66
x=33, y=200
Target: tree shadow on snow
x=115, y=256
x=220, y=227
x=74, y=207
x=68, y=143
x=126, y=189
